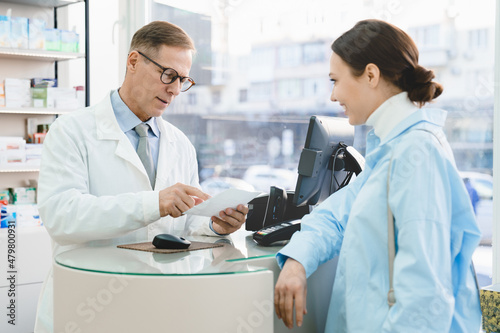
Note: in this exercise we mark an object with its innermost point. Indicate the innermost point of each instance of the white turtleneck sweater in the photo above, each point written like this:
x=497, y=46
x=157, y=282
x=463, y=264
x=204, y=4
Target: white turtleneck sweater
x=390, y=113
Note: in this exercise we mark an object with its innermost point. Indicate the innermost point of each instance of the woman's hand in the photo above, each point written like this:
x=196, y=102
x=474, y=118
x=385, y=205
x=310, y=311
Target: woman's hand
x=291, y=288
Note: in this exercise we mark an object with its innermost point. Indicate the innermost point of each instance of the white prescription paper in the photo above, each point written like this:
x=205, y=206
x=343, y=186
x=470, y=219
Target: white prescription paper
x=229, y=198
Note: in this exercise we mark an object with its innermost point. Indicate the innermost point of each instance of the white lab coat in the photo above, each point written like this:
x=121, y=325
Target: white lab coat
x=94, y=191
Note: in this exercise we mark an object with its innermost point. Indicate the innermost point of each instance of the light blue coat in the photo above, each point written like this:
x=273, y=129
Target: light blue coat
x=436, y=235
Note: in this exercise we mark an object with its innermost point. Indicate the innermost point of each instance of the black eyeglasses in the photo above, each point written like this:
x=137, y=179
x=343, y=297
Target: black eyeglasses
x=169, y=75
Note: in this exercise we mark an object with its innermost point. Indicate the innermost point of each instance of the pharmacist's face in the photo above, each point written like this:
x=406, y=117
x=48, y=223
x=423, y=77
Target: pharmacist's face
x=349, y=91
x=152, y=96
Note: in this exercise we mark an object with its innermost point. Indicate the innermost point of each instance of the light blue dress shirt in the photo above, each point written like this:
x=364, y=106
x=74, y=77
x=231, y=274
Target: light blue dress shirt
x=436, y=235
x=127, y=120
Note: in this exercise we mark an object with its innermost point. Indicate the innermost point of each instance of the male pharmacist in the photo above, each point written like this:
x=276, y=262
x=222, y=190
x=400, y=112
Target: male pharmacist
x=116, y=172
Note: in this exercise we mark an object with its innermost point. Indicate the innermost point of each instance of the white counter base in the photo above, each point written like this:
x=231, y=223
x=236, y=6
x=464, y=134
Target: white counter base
x=99, y=302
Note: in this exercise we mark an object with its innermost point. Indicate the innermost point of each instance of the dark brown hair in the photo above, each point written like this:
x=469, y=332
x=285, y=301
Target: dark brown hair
x=394, y=53
x=150, y=37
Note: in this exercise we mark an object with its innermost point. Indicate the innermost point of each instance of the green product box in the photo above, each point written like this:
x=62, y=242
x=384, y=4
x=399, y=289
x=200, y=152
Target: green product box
x=23, y=195
x=52, y=39
x=39, y=97
x=69, y=41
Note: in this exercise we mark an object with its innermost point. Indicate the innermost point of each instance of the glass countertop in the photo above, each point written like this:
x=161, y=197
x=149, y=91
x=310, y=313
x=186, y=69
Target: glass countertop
x=237, y=255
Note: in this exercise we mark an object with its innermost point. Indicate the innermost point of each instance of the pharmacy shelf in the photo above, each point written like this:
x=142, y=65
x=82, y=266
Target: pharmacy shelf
x=19, y=168
x=41, y=111
x=39, y=55
x=44, y=3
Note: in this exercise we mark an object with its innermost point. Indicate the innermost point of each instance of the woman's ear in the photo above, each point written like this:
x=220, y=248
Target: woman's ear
x=372, y=73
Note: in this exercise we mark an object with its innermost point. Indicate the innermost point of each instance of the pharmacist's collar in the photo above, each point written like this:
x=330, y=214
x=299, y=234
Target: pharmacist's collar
x=390, y=113
x=126, y=119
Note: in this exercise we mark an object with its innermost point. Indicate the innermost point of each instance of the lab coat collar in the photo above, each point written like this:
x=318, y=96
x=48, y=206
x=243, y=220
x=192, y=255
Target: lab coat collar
x=165, y=134
x=106, y=123
x=108, y=129
x=167, y=153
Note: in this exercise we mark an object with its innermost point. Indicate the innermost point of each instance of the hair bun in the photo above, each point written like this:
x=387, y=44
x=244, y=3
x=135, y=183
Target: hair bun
x=422, y=75
x=421, y=89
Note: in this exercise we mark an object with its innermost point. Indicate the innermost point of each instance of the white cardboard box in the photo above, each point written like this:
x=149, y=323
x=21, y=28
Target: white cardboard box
x=17, y=93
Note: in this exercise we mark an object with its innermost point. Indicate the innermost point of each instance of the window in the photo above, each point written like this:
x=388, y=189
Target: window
x=315, y=53
x=426, y=36
x=315, y=87
x=216, y=97
x=243, y=95
x=290, y=88
x=289, y=56
x=262, y=56
x=192, y=99
x=261, y=91
x=478, y=39
x=277, y=63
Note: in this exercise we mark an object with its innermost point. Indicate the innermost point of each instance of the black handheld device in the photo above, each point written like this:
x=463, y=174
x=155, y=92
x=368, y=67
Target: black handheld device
x=276, y=206
x=260, y=209
x=276, y=233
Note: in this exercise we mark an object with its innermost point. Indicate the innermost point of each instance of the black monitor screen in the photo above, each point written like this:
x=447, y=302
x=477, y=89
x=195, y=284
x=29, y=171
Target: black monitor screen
x=325, y=136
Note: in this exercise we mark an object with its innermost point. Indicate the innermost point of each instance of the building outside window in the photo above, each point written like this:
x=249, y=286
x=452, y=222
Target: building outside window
x=290, y=88
x=314, y=53
x=216, y=97
x=261, y=91
x=478, y=39
x=192, y=98
x=243, y=95
x=289, y=56
x=426, y=36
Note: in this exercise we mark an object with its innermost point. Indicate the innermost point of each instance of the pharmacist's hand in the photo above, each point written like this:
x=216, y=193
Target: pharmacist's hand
x=176, y=199
x=291, y=288
x=229, y=220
